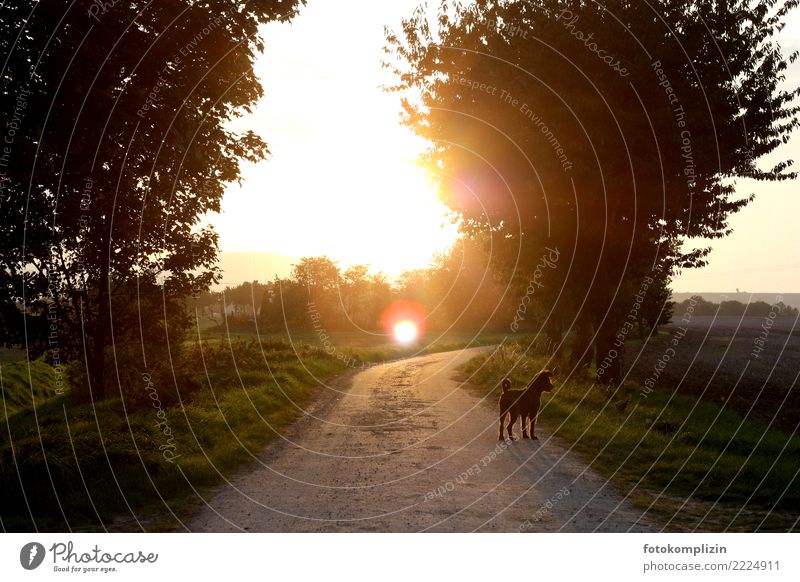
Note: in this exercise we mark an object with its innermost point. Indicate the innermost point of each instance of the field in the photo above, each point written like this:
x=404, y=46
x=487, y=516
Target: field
x=718, y=360
x=433, y=341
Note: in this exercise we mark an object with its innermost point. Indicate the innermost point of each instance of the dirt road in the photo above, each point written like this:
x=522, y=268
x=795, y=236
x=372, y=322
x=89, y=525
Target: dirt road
x=404, y=447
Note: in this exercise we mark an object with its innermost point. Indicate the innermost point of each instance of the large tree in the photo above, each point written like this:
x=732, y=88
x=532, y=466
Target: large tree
x=117, y=143
x=610, y=131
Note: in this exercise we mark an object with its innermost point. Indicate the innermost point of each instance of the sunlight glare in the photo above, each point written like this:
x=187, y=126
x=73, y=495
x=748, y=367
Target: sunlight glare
x=342, y=179
x=405, y=332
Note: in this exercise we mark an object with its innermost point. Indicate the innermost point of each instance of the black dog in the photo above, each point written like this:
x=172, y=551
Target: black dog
x=523, y=404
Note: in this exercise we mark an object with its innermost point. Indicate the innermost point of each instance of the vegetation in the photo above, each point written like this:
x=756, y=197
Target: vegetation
x=121, y=145
x=25, y=385
x=664, y=443
x=460, y=291
x=700, y=306
x=142, y=455
x=118, y=413
x=609, y=132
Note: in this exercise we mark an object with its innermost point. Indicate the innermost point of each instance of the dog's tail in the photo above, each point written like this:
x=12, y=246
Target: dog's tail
x=506, y=385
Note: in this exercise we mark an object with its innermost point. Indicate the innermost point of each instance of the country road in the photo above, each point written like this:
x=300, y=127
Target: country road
x=404, y=447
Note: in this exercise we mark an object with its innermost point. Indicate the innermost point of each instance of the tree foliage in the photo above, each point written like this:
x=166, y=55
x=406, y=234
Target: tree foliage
x=613, y=131
x=121, y=144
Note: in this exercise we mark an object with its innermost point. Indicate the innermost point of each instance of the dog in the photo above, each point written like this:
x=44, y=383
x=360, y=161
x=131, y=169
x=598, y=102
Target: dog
x=523, y=404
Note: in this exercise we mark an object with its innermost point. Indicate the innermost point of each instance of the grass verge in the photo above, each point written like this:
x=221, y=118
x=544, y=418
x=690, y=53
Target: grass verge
x=137, y=459
x=695, y=464
x=25, y=385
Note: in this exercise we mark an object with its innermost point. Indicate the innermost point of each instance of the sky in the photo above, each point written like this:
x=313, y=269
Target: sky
x=341, y=179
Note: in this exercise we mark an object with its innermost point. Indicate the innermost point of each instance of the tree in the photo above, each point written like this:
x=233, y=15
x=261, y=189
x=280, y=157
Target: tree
x=317, y=296
x=611, y=131
x=465, y=292
x=118, y=116
x=357, y=295
x=696, y=305
x=243, y=301
x=319, y=275
x=284, y=307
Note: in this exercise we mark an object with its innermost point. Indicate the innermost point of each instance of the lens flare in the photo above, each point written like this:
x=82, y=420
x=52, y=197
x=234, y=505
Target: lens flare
x=404, y=321
x=405, y=331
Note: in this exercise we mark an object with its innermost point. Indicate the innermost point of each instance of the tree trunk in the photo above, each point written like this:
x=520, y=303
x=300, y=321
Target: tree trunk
x=608, y=356
x=554, y=337
x=96, y=390
x=582, y=352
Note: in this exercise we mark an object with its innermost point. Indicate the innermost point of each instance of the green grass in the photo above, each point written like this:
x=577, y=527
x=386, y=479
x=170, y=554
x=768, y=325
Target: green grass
x=11, y=355
x=665, y=442
x=83, y=467
x=24, y=385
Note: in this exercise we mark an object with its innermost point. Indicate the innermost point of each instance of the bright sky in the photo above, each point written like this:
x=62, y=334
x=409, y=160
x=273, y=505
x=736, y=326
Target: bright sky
x=342, y=180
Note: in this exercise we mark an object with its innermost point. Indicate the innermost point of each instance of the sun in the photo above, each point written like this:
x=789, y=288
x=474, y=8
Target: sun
x=405, y=321
x=343, y=178
x=405, y=332
x=385, y=213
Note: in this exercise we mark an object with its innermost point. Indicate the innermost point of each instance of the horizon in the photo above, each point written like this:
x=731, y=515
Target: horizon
x=241, y=265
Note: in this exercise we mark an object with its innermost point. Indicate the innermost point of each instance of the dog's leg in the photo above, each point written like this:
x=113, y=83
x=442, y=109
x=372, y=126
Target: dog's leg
x=534, y=414
x=502, y=425
x=511, y=426
x=525, y=434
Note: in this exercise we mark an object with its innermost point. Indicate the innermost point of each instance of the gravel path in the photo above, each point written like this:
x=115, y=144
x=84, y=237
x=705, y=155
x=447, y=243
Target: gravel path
x=403, y=447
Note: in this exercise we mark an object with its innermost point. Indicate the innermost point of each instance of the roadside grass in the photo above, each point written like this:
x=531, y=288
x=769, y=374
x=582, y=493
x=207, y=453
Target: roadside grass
x=24, y=385
x=665, y=445
x=81, y=467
